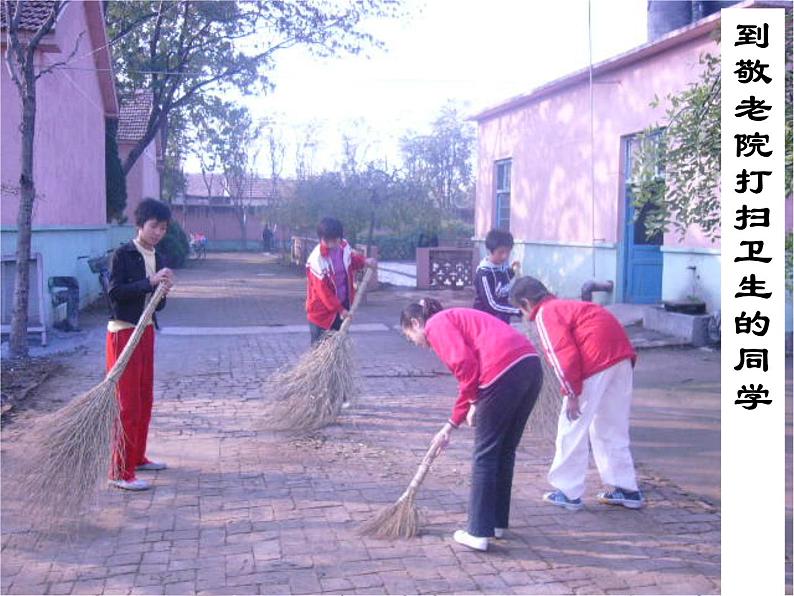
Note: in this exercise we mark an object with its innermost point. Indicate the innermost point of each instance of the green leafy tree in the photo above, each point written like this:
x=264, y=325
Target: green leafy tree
x=676, y=168
x=442, y=161
x=227, y=139
x=184, y=51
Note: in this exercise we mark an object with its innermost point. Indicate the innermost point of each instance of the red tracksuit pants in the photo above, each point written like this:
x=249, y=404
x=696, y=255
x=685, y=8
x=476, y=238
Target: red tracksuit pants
x=135, y=392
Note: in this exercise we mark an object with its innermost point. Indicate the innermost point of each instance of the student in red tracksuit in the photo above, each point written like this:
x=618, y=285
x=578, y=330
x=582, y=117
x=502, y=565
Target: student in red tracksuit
x=330, y=273
x=499, y=376
x=594, y=360
x=136, y=269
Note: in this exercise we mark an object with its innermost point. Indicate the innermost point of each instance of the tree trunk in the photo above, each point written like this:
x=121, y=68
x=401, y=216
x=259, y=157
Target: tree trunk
x=371, y=232
x=18, y=341
x=139, y=149
x=243, y=234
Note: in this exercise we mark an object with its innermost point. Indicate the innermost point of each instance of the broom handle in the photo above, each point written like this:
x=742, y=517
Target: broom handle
x=132, y=343
x=362, y=288
x=421, y=472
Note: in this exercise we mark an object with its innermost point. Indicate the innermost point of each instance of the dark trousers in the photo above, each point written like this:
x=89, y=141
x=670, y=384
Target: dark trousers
x=317, y=332
x=502, y=412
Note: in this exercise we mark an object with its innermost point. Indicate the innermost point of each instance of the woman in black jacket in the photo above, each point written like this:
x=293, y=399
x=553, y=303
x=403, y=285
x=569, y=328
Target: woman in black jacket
x=136, y=269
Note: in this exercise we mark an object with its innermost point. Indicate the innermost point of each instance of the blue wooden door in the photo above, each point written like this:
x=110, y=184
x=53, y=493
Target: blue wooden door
x=642, y=250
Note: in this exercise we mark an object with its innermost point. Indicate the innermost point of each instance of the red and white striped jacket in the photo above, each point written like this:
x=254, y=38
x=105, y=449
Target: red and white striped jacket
x=580, y=339
x=478, y=348
x=322, y=304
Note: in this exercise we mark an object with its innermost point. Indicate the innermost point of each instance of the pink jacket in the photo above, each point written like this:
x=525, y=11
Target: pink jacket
x=477, y=347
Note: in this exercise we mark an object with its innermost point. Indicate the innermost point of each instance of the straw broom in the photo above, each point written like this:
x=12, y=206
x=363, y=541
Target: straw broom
x=309, y=395
x=401, y=520
x=71, y=449
x=546, y=412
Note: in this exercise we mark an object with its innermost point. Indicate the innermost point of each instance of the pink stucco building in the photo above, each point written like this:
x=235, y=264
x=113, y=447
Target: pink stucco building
x=571, y=217
x=143, y=180
x=74, y=101
x=211, y=212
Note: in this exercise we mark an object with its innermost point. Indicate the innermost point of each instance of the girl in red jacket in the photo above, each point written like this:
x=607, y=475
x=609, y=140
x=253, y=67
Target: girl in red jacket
x=330, y=272
x=499, y=373
x=594, y=360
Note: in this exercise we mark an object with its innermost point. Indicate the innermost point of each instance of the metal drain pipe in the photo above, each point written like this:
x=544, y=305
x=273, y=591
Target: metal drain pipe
x=596, y=286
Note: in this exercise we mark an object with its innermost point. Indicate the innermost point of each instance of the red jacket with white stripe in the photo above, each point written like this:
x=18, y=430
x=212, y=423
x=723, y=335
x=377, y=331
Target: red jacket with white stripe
x=477, y=347
x=580, y=339
x=322, y=303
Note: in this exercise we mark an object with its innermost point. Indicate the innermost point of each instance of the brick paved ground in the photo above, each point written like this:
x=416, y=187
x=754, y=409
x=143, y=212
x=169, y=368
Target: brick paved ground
x=242, y=511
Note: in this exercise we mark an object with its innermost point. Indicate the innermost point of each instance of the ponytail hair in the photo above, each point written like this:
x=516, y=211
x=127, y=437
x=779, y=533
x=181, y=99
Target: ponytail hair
x=421, y=311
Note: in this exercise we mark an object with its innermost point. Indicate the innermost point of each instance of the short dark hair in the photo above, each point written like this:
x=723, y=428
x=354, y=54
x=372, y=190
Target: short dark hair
x=528, y=289
x=151, y=209
x=497, y=239
x=422, y=311
x=329, y=229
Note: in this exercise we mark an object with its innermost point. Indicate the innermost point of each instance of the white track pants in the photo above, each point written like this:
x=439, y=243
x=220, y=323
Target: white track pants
x=605, y=404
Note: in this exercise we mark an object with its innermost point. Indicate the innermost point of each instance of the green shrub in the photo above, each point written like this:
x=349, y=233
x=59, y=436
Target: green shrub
x=397, y=248
x=175, y=246
x=457, y=229
x=115, y=180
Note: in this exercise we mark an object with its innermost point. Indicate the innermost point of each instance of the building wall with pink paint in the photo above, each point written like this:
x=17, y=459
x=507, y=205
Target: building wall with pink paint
x=143, y=180
x=569, y=220
x=73, y=102
x=220, y=225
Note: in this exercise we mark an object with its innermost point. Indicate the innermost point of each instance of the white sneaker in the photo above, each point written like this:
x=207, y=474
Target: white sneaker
x=466, y=539
x=498, y=532
x=135, y=484
x=152, y=466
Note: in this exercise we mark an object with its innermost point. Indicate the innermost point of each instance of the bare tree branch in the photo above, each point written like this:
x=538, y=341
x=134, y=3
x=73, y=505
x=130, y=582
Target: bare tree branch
x=68, y=59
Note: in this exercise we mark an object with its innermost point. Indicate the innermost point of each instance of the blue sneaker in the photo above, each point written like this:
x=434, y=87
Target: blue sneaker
x=559, y=499
x=619, y=496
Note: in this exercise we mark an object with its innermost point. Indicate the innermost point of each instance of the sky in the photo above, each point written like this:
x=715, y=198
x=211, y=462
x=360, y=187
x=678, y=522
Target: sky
x=474, y=52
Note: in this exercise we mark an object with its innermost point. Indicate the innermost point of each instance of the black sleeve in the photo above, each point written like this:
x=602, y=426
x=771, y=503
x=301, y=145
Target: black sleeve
x=479, y=279
x=118, y=289
x=486, y=289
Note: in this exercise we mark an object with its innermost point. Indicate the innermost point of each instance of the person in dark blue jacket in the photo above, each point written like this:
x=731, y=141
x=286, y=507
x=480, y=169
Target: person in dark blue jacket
x=494, y=278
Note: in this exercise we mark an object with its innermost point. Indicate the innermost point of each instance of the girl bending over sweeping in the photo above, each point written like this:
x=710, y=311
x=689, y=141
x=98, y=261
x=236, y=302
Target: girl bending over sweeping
x=500, y=376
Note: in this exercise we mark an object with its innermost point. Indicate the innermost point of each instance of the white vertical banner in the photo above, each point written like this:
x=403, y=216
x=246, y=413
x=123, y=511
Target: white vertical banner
x=753, y=300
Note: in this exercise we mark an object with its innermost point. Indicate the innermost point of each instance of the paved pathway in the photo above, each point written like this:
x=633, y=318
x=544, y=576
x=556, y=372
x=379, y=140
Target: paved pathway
x=243, y=511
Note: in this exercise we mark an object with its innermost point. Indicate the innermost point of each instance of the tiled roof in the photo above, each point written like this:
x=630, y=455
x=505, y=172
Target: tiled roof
x=257, y=188
x=34, y=14
x=196, y=187
x=134, y=116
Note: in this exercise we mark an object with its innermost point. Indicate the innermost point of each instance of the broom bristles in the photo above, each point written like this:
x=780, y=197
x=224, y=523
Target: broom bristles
x=309, y=395
x=546, y=412
x=67, y=454
x=398, y=520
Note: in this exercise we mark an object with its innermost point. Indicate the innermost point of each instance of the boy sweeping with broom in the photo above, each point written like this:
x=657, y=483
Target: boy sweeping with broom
x=593, y=358
x=136, y=269
x=330, y=273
